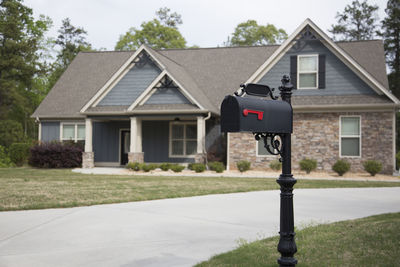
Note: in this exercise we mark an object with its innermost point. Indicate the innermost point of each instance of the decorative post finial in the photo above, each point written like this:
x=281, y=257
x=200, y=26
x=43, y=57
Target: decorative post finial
x=286, y=88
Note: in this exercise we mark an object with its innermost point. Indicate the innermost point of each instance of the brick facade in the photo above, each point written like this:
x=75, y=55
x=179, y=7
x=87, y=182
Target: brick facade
x=316, y=136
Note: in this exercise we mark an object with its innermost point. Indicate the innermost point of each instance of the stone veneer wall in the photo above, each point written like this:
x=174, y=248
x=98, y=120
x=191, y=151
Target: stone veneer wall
x=316, y=136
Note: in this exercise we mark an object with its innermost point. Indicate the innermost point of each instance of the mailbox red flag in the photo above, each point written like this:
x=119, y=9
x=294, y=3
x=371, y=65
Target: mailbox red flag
x=259, y=113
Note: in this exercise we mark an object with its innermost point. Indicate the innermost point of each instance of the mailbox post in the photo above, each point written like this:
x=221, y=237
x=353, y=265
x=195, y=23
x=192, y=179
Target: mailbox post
x=272, y=121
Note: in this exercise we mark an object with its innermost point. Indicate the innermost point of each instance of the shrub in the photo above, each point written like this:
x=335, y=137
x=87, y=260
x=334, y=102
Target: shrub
x=134, y=166
x=55, y=155
x=146, y=167
x=177, y=167
x=341, y=167
x=190, y=166
x=5, y=161
x=308, y=165
x=398, y=159
x=10, y=132
x=165, y=166
x=198, y=167
x=216, y=166
x=276, y=165
x=372, y=167
x=243, y=165
x=19, y=153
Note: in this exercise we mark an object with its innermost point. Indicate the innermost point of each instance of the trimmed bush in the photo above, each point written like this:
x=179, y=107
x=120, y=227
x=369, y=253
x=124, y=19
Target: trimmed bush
x=216, y=166
x=190, y=166
x=243, y=165
x=341, y=167
x=19, y=153
x=198, y=167
x=398, y=159
x=177, y=167
x=5, y=161
x=133, y=166
x=372, y=167
x=146, y=167
x=276, y=165
x=165, y=166
x=55, y=155
x=308, y=165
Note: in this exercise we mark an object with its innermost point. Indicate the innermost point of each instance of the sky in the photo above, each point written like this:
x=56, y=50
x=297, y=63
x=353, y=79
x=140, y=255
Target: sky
x=206, y=23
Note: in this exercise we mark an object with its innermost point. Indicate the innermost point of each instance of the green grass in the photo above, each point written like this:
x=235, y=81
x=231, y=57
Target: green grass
x=29, y=188
x=371, y=241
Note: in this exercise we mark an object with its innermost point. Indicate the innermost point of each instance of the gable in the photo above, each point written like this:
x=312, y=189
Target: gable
x=166, y=92
x=308, y=31
x=135, y=81
x=339, y=79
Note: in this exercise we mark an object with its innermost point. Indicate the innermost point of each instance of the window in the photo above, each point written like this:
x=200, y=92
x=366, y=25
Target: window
x=262, y=151
x=183, y=139
x=350, y=136
x=72, y=131
x=307, y=71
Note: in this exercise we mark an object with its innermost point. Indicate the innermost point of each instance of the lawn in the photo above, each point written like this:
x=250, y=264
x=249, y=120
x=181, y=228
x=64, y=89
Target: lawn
x=29, y=188
x=371, y=241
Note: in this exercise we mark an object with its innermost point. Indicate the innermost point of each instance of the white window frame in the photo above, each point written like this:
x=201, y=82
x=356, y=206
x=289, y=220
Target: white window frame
x=264, y=156
x=76, y=139
x=307, y=72
x=349, y=136
x=184, y=139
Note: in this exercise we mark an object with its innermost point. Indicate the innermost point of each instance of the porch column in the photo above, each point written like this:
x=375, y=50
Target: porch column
x=135, y=152
x=88, y=155
x=201, y=136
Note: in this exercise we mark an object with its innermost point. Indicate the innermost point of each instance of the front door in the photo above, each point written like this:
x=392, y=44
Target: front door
x=125, y=145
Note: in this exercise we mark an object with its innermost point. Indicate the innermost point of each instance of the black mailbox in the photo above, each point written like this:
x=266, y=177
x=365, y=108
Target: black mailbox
x=245, y=114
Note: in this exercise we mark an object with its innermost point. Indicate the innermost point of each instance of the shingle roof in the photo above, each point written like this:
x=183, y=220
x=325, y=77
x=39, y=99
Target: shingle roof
x=208, y=74
x=86, y=74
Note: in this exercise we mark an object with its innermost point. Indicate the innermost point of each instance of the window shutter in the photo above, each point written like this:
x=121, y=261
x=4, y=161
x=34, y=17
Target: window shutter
x=293, y=71
x=321, y=71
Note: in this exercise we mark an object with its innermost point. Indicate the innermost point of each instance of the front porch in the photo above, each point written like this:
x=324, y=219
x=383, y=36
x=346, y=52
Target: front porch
x=115, y=141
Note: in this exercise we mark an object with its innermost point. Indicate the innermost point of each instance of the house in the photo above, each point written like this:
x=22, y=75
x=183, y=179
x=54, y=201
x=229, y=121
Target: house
x=163, y=105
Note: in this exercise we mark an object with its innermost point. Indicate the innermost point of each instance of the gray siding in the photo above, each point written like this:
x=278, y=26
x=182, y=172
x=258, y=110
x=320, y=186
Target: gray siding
x=155, y=142
x=106, y=140
x=131, y=86
x=168, y=96
x=50, y=131
x=340, y=80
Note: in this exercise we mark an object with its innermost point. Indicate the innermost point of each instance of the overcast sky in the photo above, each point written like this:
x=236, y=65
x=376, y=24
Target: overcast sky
x=206, y=23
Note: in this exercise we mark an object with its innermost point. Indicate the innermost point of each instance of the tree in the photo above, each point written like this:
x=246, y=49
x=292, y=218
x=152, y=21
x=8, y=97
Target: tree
x=21, y=39
x=250, y=33
x=158, y=33
x=71, y=41
x=391, y=35
x=359, y=21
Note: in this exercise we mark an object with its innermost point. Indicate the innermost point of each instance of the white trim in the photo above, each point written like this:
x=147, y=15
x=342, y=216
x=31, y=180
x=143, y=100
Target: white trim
x=88, y=135
x=113, y=84
x=142, y=97
x=119, y=143
x=40, y=132
x=269, y=156
x=350, y=136
x=118, y=73
x=307, y=72
x=75, y=130
x=394, y=139
x=334, y=48
x=171, y=123
x=227, y=151
x=185, y=92
x=147, y=90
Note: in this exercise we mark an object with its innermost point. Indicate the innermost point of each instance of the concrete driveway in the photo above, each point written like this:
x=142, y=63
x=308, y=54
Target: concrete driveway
x=172, y=232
